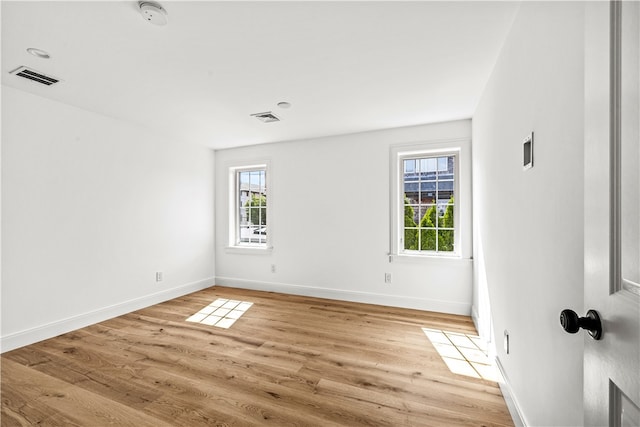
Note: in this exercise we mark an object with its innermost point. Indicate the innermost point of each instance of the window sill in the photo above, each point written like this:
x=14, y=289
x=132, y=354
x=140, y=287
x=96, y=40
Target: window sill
x=428, y=259
x=249, y=250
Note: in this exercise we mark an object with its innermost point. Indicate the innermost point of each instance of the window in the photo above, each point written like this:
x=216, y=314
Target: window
x=428, y=184
x=248, y=225
x=430, y=201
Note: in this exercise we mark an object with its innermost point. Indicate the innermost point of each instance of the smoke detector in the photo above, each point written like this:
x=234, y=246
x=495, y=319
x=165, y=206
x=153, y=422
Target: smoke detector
x=153, y=12
x=38, y=53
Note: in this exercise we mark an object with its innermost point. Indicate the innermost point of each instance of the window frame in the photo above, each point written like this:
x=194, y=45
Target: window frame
x=460, y=148
x=235, y=243
x=456, y=211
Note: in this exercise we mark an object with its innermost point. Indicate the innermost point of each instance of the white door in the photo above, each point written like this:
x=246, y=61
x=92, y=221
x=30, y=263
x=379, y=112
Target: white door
x=612, y=212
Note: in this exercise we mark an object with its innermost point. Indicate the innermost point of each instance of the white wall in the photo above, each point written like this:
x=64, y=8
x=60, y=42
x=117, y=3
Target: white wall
x=329, y=218
x=528, y=247
x=92, y=207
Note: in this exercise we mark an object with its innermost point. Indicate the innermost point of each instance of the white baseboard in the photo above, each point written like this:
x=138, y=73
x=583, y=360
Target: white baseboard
x=353, y=296
x=475, y=317
x=50, y=330
x=509, y=398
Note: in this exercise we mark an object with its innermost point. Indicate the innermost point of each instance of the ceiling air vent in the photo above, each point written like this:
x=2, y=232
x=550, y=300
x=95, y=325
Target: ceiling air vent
x=35, y=76
x=267, y=117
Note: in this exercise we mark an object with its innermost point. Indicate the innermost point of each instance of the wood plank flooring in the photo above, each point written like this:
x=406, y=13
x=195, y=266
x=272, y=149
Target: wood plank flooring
x=288, y=361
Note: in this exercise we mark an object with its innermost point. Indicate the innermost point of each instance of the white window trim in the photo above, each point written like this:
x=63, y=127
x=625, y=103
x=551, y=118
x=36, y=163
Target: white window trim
x=233, y=245
x=461, y=148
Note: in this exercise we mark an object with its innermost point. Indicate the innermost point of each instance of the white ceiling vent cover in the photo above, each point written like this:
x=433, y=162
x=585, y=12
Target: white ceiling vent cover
x=36, y=76
x=266, y=117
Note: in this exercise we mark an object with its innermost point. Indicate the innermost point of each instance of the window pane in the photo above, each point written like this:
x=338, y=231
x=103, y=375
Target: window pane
x=428, y=198
x=255, y=181
x=428, y=186
x=428, y=165
x=445, y=184
x=259, y=234
x=411, y=215
x=245, y=234
x=442, y=164
x=428, y=193
x=428, y=240
x=446, y=219
x=258, y=199
x=409, y=166
x=445, y=197
x=446, y=166
x=445, y=240
x=428, y=216
x=411, y=192
x=411, y=178
x=244, y=198
x=256, y=215
x=243, y=217
x=411, y=239
x=419, y=213
x=244, y=179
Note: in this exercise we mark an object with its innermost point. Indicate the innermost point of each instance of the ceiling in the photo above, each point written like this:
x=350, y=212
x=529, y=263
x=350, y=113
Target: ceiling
x=344, y=66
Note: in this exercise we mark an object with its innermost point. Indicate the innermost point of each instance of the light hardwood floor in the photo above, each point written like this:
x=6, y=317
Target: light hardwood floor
x=289, y=361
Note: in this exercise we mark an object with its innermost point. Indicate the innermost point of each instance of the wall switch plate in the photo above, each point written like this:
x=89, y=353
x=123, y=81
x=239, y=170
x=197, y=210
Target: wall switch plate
x=273, y=268
x=506, y=341
x=387, y=277
x=158, y=276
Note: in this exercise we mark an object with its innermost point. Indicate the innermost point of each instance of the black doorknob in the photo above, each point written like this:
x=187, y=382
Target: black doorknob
x=572, y=323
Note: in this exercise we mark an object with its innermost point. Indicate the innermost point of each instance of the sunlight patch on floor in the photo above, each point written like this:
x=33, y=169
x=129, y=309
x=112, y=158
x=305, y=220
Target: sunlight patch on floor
x=221, y=313
x=464, y=354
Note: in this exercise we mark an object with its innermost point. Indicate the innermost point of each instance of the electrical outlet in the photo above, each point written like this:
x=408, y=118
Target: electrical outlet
x=387, y=277
x=158, y=276
x=273, y=268
x=506, y=341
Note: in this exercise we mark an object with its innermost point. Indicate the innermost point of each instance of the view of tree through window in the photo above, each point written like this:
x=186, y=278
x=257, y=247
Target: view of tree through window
x=252, y=206
x=428, y=184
